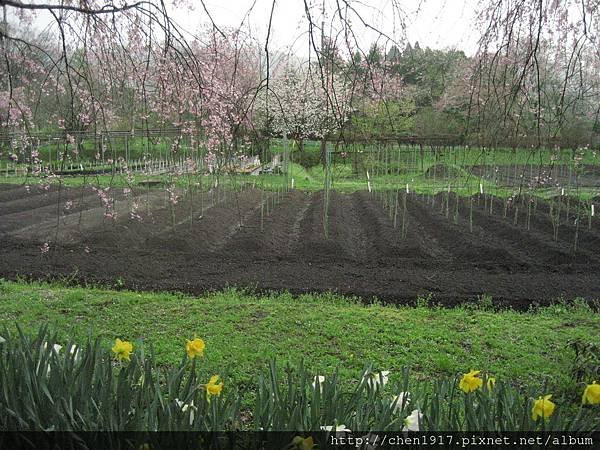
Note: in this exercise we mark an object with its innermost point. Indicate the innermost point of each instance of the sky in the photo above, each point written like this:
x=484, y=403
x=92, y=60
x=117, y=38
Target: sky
x=433, y=23
x=438, y=24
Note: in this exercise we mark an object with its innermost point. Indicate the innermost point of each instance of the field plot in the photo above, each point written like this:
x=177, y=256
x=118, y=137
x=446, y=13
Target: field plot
x=550, y=175
x=453, y=249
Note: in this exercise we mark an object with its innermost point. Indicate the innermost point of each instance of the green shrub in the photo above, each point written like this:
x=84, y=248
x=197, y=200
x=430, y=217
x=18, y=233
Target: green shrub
x=307, y=158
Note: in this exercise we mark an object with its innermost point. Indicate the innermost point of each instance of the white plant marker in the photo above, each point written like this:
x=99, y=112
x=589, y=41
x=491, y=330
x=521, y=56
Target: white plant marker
x=592, y=210
x=407, y=191
x=292, y=183
x=562, y=191
x=368, y=181
x=481, y=188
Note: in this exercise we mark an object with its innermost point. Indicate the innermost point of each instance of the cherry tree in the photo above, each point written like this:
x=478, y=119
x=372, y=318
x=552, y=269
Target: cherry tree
x=233, y=82
x=301, y=104
x=533, y=62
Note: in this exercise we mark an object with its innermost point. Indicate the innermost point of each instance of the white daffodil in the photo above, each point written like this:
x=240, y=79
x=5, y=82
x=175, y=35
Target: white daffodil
x=320, y=379
x=338, y=429
x=56, y=347
x=400, y=400
x=74, y=351
x=185, y=407
x=411, y=423
x=376, y=379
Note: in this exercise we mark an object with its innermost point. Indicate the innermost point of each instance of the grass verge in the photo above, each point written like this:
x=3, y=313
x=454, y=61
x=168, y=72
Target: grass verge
x=243, y=331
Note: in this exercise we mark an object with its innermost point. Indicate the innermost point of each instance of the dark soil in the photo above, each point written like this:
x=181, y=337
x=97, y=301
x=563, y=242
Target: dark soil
x=264, y=241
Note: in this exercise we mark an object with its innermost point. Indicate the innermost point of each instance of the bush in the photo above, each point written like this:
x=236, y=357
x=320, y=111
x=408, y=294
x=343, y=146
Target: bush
x=308, y=158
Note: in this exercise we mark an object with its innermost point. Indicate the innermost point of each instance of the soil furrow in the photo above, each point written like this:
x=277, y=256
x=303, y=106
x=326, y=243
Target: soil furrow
x=87, y=224
x=466, y=249
x=386, y=243
x=362, y=254
x=313, y=244
x=272, y=235
x=539, y=239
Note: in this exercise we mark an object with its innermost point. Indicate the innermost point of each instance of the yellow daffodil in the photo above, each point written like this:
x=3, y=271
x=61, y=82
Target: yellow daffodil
x=491, y=382
x=122, y=349
x=212, y=388
x=591, y=394
x=195, y=348
x=300, y=443
x=470, y=381
x=542, y=407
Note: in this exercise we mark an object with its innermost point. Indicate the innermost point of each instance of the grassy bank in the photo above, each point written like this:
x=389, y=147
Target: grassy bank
x=243, y=331
x=312, y=179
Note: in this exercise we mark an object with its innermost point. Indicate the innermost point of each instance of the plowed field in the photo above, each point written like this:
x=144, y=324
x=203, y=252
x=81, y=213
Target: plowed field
x=253, y=240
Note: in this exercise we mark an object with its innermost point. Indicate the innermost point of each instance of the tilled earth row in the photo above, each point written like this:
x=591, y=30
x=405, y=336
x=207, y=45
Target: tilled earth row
x=449, y=249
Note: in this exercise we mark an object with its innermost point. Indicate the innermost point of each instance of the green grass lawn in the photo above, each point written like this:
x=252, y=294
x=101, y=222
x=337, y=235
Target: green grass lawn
x=243, y=331
x=407, y=163
x=313, y=180
x=136, y=147
x=390, y=167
